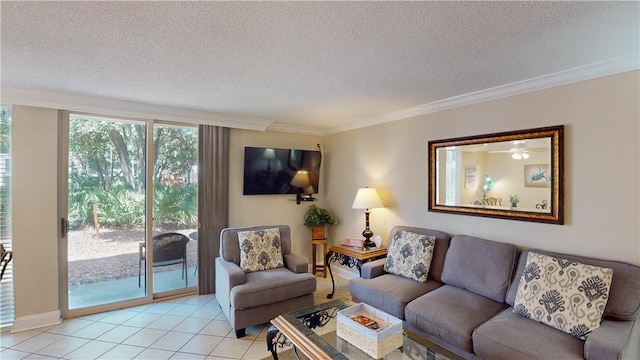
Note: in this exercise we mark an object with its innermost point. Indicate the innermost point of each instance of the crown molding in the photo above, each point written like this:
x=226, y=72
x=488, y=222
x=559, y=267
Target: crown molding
x=81, y=103
x=295, y=129
x=587, y=72
x=88, y=104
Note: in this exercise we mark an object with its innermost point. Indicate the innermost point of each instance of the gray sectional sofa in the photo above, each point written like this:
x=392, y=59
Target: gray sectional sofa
x=466, y=306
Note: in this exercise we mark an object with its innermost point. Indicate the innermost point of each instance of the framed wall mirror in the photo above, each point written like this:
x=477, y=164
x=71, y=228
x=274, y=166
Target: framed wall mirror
x=514, y=175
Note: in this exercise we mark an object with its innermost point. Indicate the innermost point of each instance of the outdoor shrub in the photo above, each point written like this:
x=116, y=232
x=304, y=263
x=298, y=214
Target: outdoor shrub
x=175, y=205
x=79, y=208
x=121, y=207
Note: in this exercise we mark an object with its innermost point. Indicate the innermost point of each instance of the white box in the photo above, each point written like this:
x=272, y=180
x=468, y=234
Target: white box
x=354, y=242
x=376, y=343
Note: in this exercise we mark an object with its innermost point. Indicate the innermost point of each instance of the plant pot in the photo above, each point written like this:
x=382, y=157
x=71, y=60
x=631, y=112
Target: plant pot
x=317, y=232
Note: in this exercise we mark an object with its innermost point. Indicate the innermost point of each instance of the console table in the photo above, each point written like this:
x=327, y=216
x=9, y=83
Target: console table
x=351, y=257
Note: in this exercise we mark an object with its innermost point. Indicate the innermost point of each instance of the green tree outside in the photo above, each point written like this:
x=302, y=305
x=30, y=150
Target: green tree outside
x=107, y=167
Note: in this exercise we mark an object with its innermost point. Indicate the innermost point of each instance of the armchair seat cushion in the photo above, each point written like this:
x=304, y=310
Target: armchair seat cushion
x=389, y=293
x=271, y=286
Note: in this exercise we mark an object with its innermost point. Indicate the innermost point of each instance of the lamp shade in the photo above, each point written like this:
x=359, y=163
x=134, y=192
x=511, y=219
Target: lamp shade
x=269, y=153
x=366, y=198
x=301, y=179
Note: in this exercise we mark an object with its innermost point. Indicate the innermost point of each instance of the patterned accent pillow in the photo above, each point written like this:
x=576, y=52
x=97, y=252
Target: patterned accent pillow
x=410, y=255
x=565, y=294
x=260, y=250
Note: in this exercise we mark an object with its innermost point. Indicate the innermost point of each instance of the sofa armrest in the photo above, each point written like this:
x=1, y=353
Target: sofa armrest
x=372, y=269
x=228, y=275
x=612, y=340
x=296, y=263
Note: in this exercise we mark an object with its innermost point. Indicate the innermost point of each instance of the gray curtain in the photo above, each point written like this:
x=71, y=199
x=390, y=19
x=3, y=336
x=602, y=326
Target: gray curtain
x=213, y=200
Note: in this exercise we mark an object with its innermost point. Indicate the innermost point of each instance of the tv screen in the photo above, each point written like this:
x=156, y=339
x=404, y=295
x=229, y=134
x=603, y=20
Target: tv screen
x=281, y=171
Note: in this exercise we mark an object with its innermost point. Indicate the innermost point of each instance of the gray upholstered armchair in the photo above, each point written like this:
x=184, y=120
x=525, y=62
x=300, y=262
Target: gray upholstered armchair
x=256, y=296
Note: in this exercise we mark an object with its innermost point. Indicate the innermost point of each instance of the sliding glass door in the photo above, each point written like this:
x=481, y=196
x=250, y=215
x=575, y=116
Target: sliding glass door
x=175, y=207
x=129, y=183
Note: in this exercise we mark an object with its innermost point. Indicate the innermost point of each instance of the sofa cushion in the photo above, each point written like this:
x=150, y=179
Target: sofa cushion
x=409, y=255
x=389, y=293
x=451, y=314
x=509, y=336
x=564, y=294
x=624, y=294
x=481, y=266
x=260, y=250
x=271, y=286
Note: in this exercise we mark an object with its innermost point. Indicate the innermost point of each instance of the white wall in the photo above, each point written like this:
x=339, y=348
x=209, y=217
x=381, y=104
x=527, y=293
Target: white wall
x=601, y=119
x=248, y=210
x=35, y=210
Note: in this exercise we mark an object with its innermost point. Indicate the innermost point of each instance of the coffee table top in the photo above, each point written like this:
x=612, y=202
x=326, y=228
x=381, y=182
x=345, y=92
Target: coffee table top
x=313, y=332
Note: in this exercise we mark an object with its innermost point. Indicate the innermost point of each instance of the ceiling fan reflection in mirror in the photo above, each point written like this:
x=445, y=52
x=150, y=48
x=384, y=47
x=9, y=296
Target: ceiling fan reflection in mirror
x=520, y=150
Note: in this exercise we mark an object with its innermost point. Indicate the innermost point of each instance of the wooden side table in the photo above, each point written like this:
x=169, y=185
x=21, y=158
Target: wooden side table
x=315, y=266
x=351, y=257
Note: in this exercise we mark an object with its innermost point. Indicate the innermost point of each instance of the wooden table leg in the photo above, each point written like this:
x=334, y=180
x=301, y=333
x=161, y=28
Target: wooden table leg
x=313, y=257
x=324, y=259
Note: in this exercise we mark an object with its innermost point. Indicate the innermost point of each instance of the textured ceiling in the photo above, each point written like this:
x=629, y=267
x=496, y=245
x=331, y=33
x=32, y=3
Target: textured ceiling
x=309, y=64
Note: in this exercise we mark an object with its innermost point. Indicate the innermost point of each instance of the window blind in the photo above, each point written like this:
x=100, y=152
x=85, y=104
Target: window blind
x=6, y=285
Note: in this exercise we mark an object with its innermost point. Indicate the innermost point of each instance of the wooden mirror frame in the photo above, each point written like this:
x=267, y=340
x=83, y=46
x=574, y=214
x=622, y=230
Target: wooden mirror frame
x=556, y=214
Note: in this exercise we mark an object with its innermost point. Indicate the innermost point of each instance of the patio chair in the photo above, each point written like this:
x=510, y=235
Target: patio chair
x=168, y=249
x=6, y=259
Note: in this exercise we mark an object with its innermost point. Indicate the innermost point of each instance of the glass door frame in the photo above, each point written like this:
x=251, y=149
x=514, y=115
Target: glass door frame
x=63, y=173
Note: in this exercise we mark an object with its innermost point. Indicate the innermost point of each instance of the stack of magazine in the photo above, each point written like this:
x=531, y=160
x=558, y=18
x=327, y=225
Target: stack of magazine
x=367, y=322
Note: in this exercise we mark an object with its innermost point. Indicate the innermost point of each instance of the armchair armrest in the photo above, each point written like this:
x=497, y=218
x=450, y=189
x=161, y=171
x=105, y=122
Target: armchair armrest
x=296, y=263
x=232, y=272
x=612, y=340
x=228, y=275
x=372, y=269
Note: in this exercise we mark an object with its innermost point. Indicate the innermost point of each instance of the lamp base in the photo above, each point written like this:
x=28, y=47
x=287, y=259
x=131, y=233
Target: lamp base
x=368, y=244
x=367, y=233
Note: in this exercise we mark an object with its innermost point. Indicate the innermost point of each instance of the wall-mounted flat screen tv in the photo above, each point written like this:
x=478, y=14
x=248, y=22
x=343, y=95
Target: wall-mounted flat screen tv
x=281, y=171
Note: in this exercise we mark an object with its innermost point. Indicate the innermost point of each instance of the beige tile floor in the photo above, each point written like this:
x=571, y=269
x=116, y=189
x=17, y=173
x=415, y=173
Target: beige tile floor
x=185, y=328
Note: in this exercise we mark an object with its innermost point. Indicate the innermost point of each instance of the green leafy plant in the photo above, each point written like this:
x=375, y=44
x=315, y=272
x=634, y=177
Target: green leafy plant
x=316, y=216
x=175, y=205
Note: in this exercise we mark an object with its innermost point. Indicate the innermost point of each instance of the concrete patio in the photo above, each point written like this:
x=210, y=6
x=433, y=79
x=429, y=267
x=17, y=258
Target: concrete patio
x=107, y=291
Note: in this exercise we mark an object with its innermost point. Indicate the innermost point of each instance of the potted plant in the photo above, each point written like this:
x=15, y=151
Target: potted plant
x=514, y=199
x=316, y=218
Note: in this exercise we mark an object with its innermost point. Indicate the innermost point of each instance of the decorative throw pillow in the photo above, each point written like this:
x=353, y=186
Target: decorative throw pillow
x=410, y=255
x=260, y=250
x=565, y=294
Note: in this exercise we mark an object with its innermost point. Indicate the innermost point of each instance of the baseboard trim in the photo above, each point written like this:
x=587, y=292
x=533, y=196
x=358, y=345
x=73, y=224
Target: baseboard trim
x=345, y=272
x=30, y=322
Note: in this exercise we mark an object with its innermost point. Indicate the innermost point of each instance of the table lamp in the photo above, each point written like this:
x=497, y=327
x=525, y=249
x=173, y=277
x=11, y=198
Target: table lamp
x=367, y=198
x=302, y=182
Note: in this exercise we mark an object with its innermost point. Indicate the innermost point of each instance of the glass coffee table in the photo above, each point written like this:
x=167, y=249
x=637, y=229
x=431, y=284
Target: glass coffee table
x=312, y=334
